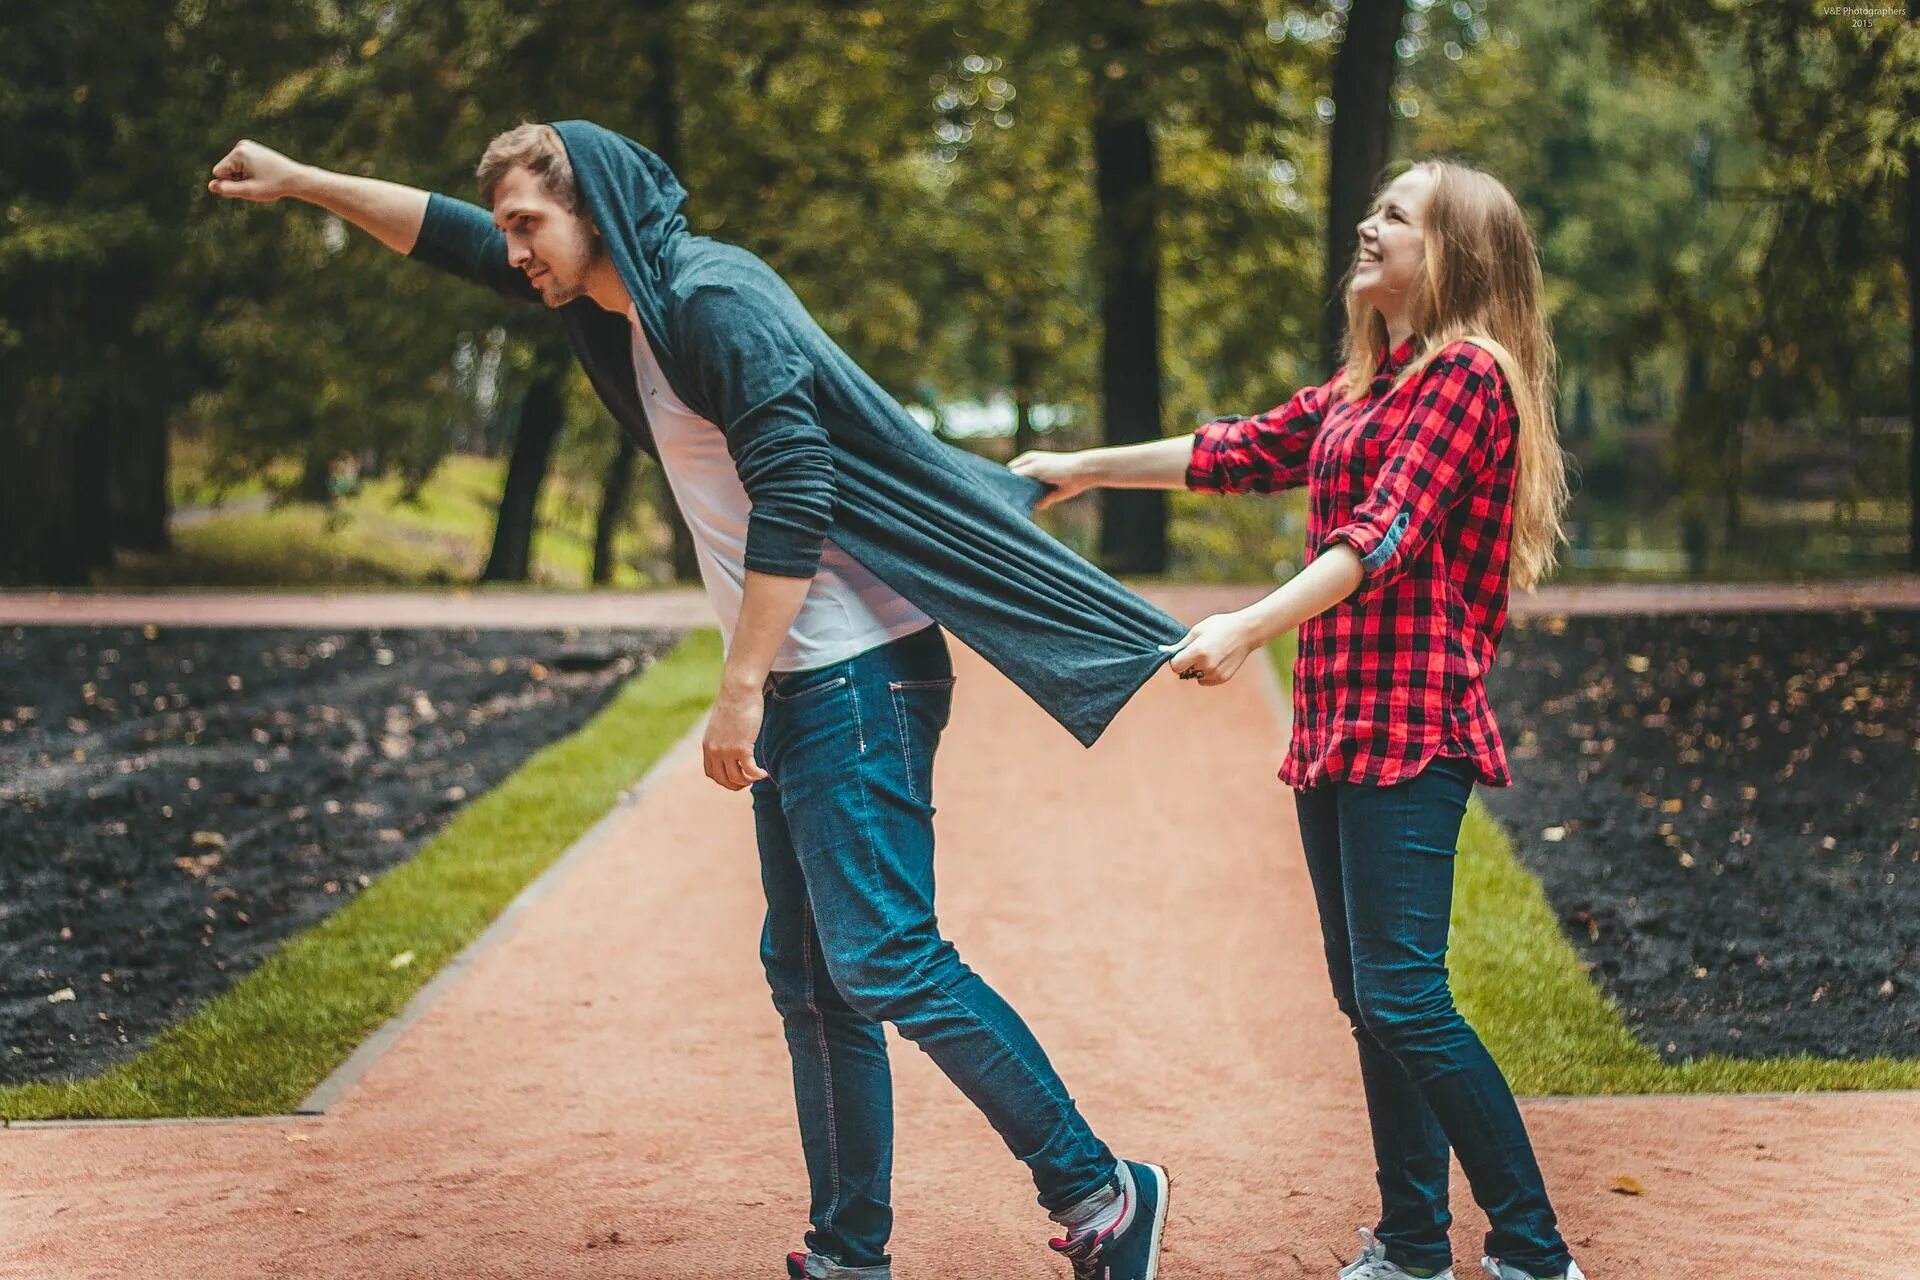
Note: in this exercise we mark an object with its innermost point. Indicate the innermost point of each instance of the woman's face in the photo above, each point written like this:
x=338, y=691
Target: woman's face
x=1392, y=250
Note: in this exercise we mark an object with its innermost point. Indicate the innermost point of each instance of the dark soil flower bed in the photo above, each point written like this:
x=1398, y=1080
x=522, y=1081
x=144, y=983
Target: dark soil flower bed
x=1725, y=812
x=175, y=803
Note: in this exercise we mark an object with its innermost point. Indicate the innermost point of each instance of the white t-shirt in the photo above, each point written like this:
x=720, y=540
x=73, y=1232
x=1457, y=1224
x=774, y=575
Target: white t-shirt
x=847, y=610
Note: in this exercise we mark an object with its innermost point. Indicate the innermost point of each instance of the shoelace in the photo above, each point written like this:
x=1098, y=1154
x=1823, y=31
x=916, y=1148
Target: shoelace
x=1084, y=1250
x=1370, y=1261
x=1084, y=1253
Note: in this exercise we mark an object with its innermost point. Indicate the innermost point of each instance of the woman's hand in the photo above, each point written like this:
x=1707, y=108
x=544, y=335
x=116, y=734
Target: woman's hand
x=1216, y=647
x=1066, y=472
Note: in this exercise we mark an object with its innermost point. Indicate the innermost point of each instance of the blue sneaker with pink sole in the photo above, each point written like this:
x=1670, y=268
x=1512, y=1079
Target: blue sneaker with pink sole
x=1130, y=1248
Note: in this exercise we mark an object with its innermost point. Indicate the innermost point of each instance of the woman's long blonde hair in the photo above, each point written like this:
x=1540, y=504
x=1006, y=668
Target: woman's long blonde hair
x=1482, y=284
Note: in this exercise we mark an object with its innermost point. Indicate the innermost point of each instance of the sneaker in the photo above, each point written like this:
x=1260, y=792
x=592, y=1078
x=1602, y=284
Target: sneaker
x=1507, y=1271
x=1372, y=1264
x=1130, y=1248
x=814, y=1266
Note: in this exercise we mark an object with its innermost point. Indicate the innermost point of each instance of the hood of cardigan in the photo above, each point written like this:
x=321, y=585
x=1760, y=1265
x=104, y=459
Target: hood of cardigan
x=635, y=202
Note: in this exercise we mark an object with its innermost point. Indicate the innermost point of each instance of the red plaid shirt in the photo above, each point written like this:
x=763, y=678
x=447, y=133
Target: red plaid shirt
x=1420, y=482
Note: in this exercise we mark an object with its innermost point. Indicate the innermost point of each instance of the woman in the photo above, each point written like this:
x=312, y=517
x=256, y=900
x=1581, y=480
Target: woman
x=1434, y=478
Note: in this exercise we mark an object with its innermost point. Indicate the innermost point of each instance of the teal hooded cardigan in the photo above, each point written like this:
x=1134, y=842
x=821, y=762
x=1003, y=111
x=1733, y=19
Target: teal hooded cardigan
x=821, y=449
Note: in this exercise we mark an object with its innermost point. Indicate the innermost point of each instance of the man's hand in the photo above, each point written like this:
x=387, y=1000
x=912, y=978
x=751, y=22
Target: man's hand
x=253, y=172
x=731, y=731
x=1213, y=651
x=1064, y=471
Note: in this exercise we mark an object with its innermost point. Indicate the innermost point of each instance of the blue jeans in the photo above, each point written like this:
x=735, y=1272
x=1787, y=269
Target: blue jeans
x=845, y=826
x=1381, y=859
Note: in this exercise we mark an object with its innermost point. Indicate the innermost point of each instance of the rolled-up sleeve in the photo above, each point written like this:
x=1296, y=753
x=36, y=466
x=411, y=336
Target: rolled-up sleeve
x=1443, y=451
x=760, y=386
x=1262, y=454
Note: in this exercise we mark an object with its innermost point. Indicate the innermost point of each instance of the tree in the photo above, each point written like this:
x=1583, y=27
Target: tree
x=542, y=416
x=1363, y=83
x=1804, y=337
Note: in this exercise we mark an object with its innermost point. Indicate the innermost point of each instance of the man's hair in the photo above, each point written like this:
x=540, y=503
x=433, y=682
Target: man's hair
x=536, y=148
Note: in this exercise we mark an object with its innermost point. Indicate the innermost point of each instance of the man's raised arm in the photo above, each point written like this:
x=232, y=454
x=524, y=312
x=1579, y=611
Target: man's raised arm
x=387, y=211
x=440, y=231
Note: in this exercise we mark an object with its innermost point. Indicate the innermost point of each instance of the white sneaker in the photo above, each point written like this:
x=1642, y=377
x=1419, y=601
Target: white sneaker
x=1504, y=1271
x=1372, y=1264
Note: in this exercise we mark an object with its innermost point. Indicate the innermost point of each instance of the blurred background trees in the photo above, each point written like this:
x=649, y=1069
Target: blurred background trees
x=1039, y=225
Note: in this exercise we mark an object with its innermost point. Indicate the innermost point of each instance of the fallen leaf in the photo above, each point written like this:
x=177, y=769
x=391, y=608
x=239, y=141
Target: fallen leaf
x=210, y=839
x=1672, y=806
x=1637, y=662
x=61, y=996
x=200, y=866
x=298, y=1137
x=1626, y=1186
x=401, y=961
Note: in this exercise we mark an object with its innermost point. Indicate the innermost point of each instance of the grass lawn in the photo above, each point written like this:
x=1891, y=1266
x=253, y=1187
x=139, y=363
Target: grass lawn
x=262, y=1046
x=372, y=537
x=1519, y=982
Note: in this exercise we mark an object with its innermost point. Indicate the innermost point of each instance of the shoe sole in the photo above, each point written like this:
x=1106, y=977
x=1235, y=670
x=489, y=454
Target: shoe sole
x=1159, y=1220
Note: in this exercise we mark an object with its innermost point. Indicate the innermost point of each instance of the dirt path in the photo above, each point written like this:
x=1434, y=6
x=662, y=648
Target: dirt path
x=606, y=1093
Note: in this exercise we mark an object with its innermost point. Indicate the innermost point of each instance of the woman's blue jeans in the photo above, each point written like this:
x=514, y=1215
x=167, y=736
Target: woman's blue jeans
x=845, y=825
x=1381, y=859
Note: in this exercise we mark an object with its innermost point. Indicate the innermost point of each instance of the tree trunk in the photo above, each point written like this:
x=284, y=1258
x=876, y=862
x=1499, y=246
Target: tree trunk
x=1133, y=522
x=615, y=490
x=662, y=109
x=1913, y=341
x=42, y=518
x=138, y=479
x=1357, y=151
x=92, y=488
x=542, y=411
x=1025, y=360
x=316, y=479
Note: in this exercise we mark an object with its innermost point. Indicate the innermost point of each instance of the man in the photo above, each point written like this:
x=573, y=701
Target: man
x=836, y=539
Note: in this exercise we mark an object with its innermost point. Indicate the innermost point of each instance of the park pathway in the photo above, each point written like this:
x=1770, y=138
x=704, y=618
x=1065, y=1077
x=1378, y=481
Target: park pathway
x=508, y=607
x=606, y=1094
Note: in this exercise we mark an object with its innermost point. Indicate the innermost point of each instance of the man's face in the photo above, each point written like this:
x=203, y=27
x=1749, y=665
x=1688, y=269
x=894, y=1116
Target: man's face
x=554, y=246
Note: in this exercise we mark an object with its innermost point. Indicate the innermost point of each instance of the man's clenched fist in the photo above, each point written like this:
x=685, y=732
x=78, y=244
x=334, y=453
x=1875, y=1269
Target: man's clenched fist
x=253, y=172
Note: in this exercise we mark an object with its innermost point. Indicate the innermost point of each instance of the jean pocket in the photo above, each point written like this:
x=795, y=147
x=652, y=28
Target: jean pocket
x=805, y=685
x=921, y=709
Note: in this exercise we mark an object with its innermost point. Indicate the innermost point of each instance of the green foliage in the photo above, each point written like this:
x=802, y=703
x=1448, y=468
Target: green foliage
x=264, y=1044
x=1714, y=186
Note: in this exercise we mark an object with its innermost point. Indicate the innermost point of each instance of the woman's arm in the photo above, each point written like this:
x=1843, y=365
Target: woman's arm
x=1158, y=464
x=1217, y=646
x=1262, y=454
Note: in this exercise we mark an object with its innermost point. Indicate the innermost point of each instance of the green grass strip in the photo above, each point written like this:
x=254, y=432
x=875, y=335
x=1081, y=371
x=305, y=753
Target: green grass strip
x=260, y=1047
x=1553, y=1031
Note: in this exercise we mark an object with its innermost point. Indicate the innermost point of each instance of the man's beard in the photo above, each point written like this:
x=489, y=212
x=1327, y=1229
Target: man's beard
x=558, y=293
